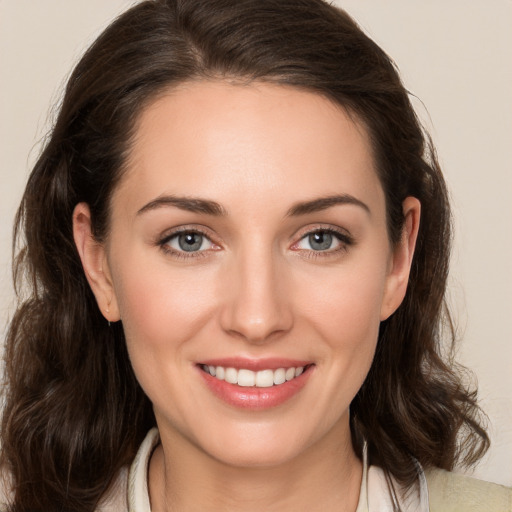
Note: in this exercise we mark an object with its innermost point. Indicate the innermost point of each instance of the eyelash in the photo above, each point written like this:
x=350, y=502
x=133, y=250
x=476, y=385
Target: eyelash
x=345, y=242
x=343, y=238
x=163, y=243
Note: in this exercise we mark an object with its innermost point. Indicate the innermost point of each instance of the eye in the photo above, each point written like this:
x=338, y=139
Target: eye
x=188, y=241
x=322, y=240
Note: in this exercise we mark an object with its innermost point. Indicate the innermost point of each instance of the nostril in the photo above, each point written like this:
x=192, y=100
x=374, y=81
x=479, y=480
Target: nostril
x=256, y=307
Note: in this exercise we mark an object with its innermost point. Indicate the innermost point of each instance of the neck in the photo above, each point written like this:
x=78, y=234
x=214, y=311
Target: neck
x=327, y=476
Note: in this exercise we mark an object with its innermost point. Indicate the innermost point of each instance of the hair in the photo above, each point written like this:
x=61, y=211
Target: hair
x=74, y=413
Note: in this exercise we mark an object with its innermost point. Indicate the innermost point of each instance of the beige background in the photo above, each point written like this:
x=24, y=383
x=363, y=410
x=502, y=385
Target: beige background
x=453, y=54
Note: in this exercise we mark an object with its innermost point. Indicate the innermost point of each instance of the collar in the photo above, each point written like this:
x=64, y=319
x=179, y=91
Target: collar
x=374, y=495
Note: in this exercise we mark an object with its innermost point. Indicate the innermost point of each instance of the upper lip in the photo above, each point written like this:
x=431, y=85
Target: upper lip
x=272, y=363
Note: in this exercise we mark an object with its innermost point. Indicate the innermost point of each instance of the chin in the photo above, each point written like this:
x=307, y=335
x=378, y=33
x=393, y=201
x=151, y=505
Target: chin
x=257, y=445
x=257, y=456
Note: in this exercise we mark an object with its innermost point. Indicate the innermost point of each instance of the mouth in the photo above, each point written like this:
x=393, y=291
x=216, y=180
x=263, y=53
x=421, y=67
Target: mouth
x=255, y=385
x=246, y=378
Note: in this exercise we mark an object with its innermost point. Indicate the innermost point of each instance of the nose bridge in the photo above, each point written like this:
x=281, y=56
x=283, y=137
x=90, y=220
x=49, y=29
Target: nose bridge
x=257, y=305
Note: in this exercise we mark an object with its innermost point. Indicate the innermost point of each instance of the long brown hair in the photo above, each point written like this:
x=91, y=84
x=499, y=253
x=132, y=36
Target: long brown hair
x=74, y=413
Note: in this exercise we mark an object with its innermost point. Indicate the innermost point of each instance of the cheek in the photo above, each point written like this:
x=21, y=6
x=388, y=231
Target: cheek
x=346, y=308
x=161, y=307
x=342, y=317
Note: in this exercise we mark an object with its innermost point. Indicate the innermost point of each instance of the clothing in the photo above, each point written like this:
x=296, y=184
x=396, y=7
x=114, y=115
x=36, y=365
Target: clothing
x=439, y=491
x=450, y=492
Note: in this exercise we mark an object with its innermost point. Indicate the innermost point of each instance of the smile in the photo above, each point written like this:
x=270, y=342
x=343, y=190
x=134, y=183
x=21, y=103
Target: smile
x=248, y=378
x=256, y=385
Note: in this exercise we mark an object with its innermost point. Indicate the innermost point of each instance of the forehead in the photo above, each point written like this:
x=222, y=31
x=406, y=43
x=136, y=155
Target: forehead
x=220, y=140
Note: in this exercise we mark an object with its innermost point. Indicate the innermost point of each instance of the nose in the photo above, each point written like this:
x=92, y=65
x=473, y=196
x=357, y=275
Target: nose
x=256, y=306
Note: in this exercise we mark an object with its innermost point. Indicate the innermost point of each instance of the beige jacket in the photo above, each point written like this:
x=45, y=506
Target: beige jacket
x=447, y=492
x=439, y=491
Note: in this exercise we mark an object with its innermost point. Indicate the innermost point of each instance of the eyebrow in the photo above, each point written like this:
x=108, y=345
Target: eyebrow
x=190, y=204
x=208, y=207
x=322, y=203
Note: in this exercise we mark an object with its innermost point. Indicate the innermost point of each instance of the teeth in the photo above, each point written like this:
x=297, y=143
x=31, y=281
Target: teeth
x=231, y=376
x=248, y=378
x=290, y=373
x=279, y=376
x=264, y=378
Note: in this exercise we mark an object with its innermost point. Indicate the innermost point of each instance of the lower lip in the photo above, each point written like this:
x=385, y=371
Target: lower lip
x=253, y=397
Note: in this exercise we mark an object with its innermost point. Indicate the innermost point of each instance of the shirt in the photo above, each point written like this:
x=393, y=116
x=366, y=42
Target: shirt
x=374, y=495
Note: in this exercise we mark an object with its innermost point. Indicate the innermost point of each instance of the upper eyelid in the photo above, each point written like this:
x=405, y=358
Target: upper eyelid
x=303, y=232
x=164, y=245
x=345, y=239
x=171, y=233
x=343, y=234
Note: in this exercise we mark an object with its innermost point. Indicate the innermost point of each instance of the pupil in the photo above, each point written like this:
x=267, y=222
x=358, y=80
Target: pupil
x=320, y=241
x=190, y=242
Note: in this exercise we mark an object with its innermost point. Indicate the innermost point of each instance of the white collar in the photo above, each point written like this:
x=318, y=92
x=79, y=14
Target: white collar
x=374, y=495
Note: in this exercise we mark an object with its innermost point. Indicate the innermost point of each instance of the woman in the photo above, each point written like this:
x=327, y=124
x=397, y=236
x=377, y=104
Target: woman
x=237, y=240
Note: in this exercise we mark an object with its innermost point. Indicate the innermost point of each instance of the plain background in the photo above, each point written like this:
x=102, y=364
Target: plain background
x=454, y=55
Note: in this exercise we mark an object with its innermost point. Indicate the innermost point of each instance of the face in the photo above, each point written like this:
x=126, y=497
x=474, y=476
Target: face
x=249, y=262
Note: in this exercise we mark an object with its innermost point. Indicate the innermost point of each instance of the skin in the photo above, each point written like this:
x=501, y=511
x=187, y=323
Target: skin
x=256, y=289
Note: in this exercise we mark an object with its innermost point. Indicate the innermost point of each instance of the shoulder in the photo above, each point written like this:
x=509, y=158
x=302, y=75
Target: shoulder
x=450, y=492
x=130, y=491
x=5, y=488
x=116, y=499
x=127, y=492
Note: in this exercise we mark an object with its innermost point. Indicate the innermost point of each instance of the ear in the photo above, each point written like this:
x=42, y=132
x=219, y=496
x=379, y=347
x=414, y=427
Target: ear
x=401, y=259
x=95, y=264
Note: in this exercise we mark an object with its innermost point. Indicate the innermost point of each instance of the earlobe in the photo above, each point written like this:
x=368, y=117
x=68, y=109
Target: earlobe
x=94, y=262
x=398, y=276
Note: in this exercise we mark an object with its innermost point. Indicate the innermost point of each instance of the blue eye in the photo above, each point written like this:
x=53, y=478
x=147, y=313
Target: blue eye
x=321, y=241
x=189, y=241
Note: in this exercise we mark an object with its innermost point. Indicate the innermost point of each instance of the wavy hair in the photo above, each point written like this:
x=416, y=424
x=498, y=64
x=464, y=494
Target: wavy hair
x=74, y=413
